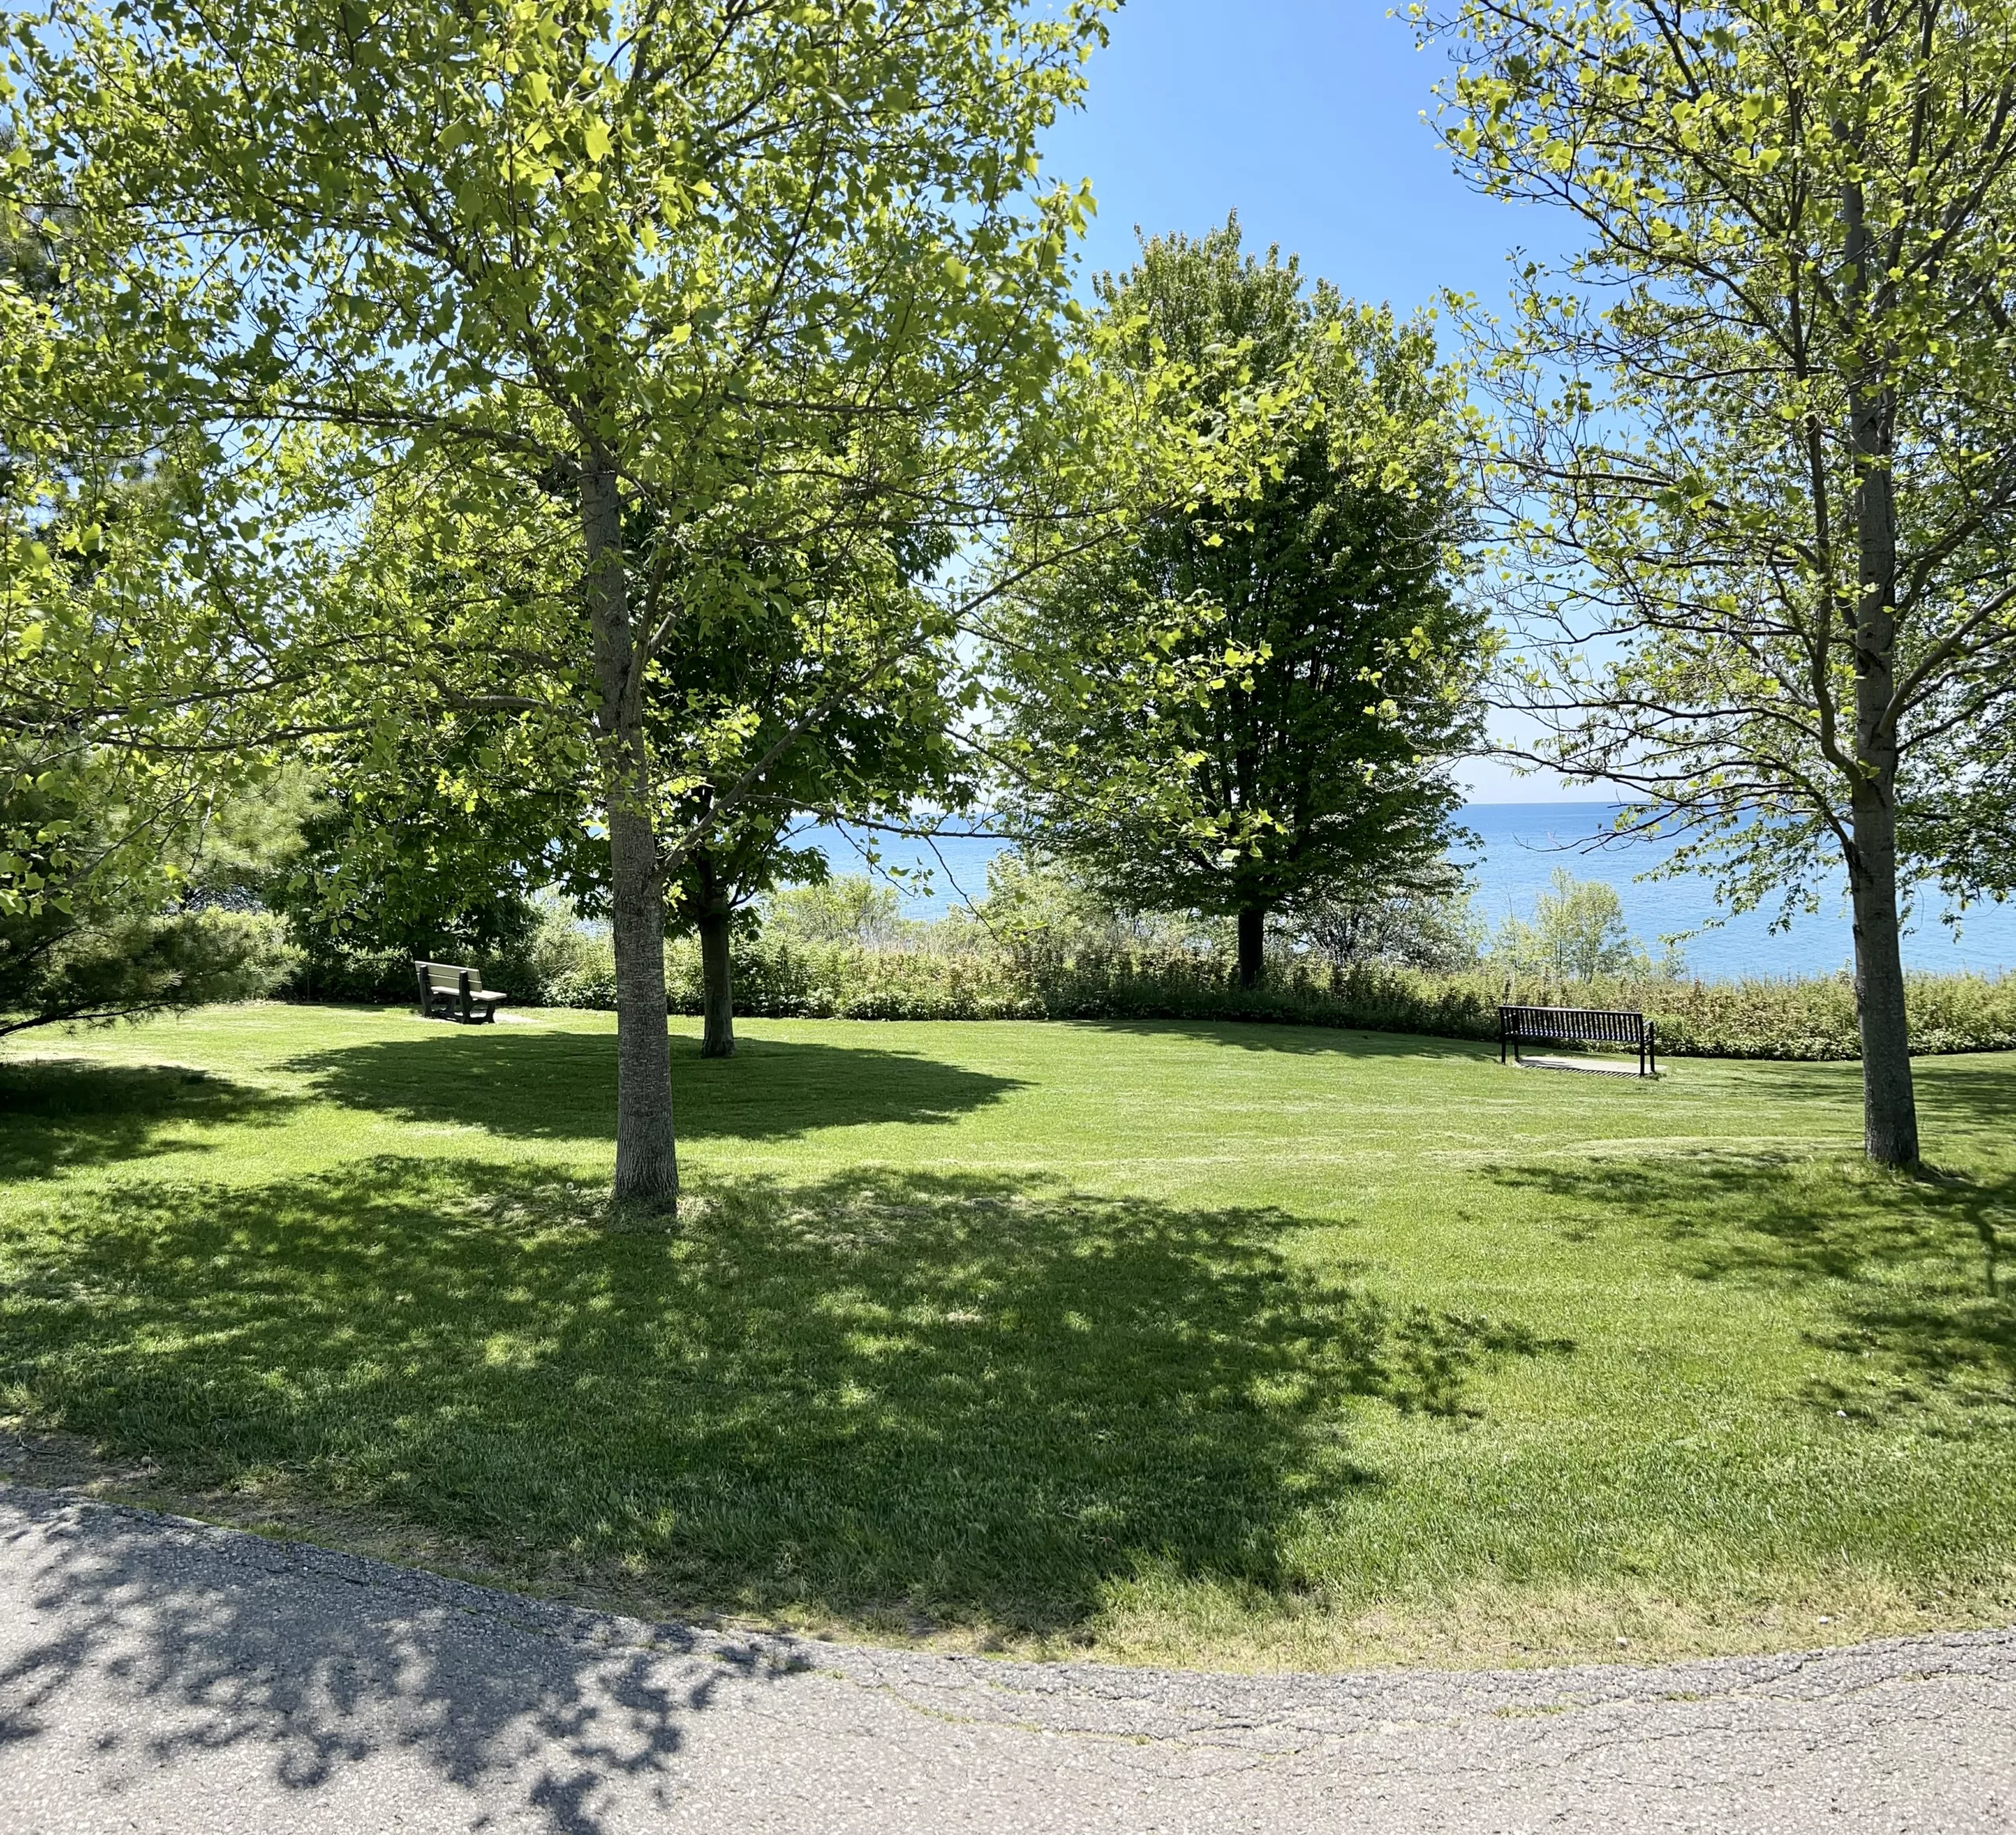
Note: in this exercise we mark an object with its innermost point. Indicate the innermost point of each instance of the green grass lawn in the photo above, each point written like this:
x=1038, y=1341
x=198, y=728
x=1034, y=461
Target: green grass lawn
x=1217, y=1344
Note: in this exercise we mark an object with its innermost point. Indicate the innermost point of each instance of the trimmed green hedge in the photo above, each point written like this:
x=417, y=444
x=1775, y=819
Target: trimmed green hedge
x=1810, y=1019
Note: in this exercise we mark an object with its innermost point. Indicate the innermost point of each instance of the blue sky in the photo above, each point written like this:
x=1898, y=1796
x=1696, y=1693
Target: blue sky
x=1305, y=117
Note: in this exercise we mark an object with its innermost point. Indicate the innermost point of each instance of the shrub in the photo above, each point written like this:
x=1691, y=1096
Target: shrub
x=133, y=963
x=962, y=974
x=961, y=969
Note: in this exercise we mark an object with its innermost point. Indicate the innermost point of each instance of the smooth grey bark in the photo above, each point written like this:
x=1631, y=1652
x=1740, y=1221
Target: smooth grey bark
x=1890, y=1121
x=647, y=1154
x=716, y=982
x=1252, y=947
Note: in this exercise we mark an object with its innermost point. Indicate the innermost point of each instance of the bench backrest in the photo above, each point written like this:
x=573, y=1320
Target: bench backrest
x=1585, y=1025
x=447, y=976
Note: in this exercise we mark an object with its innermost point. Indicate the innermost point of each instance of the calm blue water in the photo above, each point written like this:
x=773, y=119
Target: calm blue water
x=1521, y=844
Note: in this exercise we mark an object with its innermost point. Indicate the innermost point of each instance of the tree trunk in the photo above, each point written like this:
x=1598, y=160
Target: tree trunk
x=717, y=984
x=1252, y=945
x=646, y=1155
x=1890, y=1118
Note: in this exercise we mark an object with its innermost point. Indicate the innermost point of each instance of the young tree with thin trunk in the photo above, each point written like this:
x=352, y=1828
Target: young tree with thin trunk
x=1759, y=460
x=758, y=684
x=1242, y=699
x=723, y=258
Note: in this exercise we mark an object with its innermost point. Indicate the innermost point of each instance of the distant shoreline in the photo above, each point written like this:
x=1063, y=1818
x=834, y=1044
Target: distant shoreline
x=1522, y=844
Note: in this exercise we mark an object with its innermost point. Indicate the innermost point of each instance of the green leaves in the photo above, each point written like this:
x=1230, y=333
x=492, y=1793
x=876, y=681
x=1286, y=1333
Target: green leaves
x=730, y=244
x=1757, y=451
x=1254, y=516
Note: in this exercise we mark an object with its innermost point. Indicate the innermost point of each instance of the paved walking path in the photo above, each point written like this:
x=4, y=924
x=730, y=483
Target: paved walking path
x=158, y=1676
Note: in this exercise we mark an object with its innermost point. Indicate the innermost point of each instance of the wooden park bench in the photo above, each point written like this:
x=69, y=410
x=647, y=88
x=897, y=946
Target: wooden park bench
x=453, y=990
x=1577, y=1026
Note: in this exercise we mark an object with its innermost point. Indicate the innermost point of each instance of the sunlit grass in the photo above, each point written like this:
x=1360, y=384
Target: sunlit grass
x=1230, y=1345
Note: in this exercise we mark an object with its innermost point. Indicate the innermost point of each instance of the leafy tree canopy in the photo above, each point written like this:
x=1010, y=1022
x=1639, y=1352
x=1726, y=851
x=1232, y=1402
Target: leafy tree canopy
x=1244, y=701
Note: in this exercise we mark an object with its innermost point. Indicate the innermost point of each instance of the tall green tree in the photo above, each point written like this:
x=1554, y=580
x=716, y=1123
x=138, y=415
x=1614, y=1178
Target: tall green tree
x=688, y=254
x=759, y=680
x=812, y=676
x=1243, y=700
x=1759, y=445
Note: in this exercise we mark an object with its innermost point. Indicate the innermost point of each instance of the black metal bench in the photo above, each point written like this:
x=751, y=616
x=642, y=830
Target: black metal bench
x=1577, y=1026
x=453, y=990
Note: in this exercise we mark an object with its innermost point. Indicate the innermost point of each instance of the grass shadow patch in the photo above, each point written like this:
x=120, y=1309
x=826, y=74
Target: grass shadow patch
x=1293, y=1038
x=1971, y=1091
x=562, y=1085
x=59, y=1114
x=957, y=1399
x=1909, y=1272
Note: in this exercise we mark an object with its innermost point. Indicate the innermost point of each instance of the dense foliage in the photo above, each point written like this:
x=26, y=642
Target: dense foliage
x=106, y=919
x=1810, y=1018
x=1242, y=701
x=120, y=577
x=840, y=950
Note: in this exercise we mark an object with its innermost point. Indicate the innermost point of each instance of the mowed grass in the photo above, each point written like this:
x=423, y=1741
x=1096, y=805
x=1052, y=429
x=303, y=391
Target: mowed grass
x=1210, y=1344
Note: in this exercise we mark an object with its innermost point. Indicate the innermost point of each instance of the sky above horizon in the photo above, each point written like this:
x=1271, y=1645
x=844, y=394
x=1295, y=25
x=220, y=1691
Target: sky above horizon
x=1305, y=116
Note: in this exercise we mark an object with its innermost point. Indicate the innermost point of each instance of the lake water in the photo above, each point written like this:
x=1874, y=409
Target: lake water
x=1520, y=846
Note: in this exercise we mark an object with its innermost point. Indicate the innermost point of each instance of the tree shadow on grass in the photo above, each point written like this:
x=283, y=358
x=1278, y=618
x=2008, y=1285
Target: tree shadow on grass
x=1976, y=1092
x=1296, y=1039
x=562, y=1085
x=59, y=1115
x=1914, y=1273
x=967, y=1399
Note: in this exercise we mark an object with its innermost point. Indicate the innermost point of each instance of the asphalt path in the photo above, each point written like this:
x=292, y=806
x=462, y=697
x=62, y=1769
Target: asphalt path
x=157, y=1675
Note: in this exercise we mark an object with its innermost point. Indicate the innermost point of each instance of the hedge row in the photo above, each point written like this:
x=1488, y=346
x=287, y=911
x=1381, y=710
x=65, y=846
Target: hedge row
x=1810, y=1019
